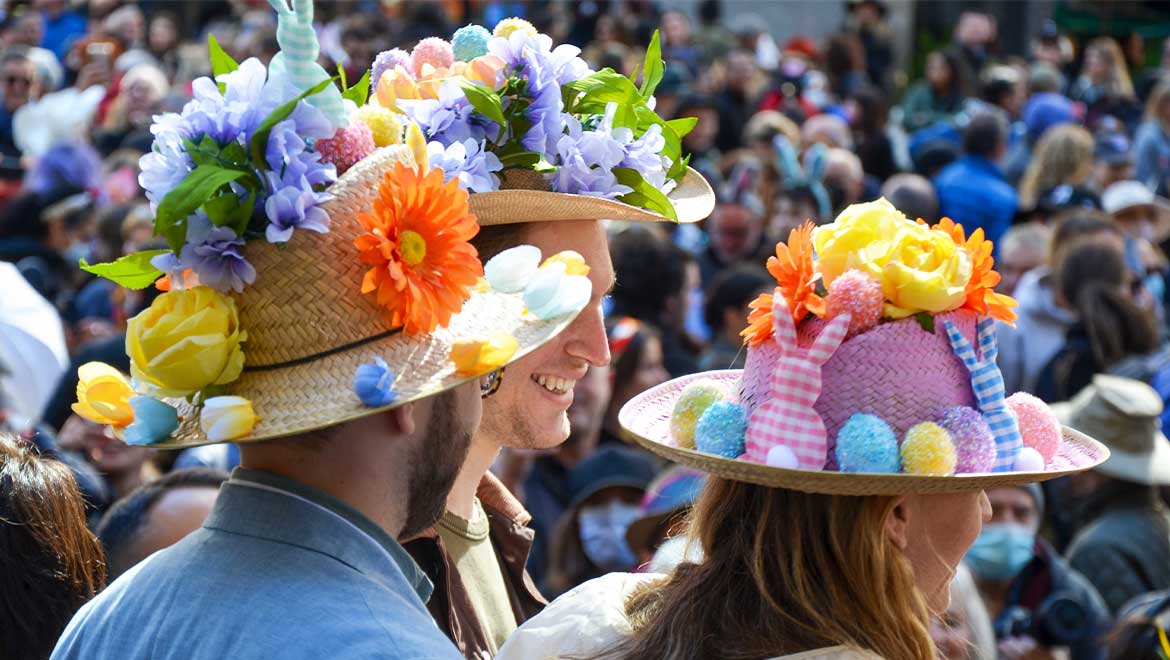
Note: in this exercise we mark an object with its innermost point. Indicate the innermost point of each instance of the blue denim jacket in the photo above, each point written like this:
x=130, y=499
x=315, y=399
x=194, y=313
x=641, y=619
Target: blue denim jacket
x=973, y=192
x=279, y=570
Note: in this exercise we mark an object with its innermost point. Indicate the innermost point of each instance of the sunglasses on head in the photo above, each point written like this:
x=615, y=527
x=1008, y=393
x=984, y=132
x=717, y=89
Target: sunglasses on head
x=489, y=384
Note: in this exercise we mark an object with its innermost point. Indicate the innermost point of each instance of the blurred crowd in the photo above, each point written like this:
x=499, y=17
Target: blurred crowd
x=1061, y=155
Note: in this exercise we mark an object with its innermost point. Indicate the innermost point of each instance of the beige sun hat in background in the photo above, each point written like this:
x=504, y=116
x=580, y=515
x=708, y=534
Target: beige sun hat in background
x=1125, y=416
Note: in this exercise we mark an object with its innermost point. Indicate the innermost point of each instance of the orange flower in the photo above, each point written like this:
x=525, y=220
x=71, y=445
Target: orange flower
x=796, y=281
x=417, y=242
x=981, y=295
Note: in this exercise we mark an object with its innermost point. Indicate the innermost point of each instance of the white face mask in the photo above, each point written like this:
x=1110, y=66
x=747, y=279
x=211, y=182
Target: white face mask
x=603, y=534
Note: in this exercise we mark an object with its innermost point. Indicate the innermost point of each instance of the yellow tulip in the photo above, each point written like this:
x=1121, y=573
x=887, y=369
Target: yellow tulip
x=185, y=341
x=472, y=357
x=103, y=395
x=396, y=84
x=226, y=418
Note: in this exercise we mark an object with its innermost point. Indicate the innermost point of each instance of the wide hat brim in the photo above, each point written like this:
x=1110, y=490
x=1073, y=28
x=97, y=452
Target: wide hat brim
x=310, y=395
x=645, y=419
x=527, y=199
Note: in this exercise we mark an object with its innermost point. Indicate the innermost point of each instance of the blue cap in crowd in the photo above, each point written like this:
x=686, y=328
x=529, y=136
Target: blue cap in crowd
x=1045, y=110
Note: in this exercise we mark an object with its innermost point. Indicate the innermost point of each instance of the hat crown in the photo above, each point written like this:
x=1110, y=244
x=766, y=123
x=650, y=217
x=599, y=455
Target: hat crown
x=306, y=300
x=1123, y=194
x=1123, y=414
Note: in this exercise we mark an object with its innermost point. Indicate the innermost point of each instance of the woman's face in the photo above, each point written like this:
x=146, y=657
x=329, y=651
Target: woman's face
x=936, y=530
x=938, y=72
x=650, y=371
x=1096, y=65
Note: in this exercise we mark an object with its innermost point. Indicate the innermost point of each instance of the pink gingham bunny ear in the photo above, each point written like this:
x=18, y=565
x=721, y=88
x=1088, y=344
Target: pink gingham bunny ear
x=783, y=329
x=830, y=338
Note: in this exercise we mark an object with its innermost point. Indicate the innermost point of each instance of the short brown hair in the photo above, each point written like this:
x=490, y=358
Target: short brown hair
x=494, y=239
x=50, y=563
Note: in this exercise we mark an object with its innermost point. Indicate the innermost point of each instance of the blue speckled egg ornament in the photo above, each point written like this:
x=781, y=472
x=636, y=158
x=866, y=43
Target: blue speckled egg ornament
x=974, y=442
x=721, y=429
x=867, y=444
x=692, y=403
x=470, y=42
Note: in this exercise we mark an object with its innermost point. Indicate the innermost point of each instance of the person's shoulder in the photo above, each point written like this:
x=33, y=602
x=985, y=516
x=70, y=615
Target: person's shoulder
x=585, y=620
x=832, y=653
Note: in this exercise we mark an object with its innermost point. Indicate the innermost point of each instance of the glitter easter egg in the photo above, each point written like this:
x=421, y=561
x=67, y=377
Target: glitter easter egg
x=433, y=51
x=386, y=61
x=470, y=42
x=692, y=403
x=867, y=444
x=384, y=125
x=927, y=449
x=860, y=295
x=974, y=441
x=1038, y=426
x=721, y=429
x=347, y=146
x=506, y=27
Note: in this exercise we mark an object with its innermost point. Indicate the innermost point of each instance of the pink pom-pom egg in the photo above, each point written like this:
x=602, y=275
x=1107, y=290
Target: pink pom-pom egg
x=860, y=295
x=433, y=51
x=974, y=441
x=1039, y=427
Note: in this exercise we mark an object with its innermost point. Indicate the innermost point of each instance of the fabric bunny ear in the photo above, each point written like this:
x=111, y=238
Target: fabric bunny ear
x=297, y=58
x=829, y=339
x=816, y=161
x=788, y=162
x=783, y=329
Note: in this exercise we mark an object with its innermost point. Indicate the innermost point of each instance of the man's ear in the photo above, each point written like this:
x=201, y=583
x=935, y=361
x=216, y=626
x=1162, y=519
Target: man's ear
x=401, y=419
x=898, y=522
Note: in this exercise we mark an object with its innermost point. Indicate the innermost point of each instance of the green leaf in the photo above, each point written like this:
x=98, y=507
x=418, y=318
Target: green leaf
x=652, y=68
x=221, y=62
x=592, y=93
x=360, y=92
x=926, y=321
x=341, y=77
x=682, y=126
x=132, y=271
x=485, y=101
x=197, y=188
x=228, y=210
x=644, y=195
x=259, y=141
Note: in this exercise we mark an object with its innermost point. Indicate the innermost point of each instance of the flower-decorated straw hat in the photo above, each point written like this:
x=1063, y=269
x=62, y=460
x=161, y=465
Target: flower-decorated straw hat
x=297, y=299
x=870, y=371
x=536, y=133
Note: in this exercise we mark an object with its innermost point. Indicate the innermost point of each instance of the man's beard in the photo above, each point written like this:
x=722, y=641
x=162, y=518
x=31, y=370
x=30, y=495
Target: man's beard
x=435, y=465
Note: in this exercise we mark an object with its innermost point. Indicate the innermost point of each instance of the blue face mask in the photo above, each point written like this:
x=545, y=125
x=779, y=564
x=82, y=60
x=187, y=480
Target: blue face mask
x=1001, y=551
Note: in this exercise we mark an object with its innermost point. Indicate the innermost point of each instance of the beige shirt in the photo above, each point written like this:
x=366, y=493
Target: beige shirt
x=471, y=552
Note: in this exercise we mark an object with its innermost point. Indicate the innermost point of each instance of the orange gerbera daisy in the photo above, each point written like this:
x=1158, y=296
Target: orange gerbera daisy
x=417, y=242
x=796, y=281
x=981, y=295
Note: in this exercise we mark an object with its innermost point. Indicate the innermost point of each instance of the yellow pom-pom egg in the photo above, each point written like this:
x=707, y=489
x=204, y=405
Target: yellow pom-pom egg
x=691, y=404
x=928, y=450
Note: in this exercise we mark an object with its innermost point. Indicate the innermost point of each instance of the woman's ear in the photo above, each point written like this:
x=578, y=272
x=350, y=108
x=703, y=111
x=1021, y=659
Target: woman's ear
x=898, y=522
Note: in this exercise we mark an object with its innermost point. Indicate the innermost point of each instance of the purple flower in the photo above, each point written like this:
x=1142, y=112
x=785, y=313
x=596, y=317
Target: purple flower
x=645, y=156
x=293, y=208
x=214, y=253
x=448, y=119
x=468, y=162
x=585, y=160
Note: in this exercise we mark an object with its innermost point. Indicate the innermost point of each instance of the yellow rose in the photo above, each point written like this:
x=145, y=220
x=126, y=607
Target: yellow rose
x=187, y=339
x=926, y=272
x=861, y=238
x=103, y=395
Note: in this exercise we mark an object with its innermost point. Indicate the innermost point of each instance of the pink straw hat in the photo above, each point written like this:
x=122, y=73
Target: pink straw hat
x=866, y=393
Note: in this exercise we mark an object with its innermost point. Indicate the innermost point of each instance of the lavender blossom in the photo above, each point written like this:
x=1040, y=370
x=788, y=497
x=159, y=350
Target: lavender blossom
x=214, y=253
x=585, y=160
x=386, y=61
x=468, y=162
x=448, y=119
x=291, y=208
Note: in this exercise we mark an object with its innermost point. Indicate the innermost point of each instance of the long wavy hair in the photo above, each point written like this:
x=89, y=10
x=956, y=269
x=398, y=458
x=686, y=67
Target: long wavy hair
x=785, y=572
x=1063, y=156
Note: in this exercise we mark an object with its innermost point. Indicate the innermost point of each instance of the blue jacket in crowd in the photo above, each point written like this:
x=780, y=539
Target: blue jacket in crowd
x=973, y=192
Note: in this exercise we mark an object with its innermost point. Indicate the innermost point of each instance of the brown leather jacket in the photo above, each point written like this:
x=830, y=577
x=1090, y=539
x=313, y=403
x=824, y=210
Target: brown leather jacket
x=512, y=539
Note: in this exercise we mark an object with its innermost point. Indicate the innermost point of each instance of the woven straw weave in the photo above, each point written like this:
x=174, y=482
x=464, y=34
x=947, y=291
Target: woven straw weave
x=310, y=325
x=524, y=197
x=645, y=419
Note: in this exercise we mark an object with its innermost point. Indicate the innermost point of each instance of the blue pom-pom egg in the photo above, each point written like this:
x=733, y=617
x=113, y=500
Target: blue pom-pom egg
x=470, y=42
x=721, y=429
x=867, y=444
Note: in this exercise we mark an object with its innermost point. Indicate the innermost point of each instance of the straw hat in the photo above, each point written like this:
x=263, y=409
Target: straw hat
x=308, y=329
x=1125, y=415
x=852, y=387
x=525, y=196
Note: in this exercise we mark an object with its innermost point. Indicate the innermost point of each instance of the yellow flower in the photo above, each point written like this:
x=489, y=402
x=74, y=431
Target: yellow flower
x=861, y=238
x=573, y=261
x=382, y=122
x=185, y=341
x=396, y=84
x=473, y=357
x=926, y=272
x=103, y=395
x=226, y=418
x=417, y=143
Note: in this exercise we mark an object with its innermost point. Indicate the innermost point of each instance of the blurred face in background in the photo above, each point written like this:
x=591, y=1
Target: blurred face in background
x=1137, y=221
x=1014, y=262
x=952, y=633
x=590, y=398
x=163, y=34
x=735, y=232
x=1096, y=66
x=791, y=212
x=18, y=83
x=702, y=136
x=676, y=29
x=938, y=72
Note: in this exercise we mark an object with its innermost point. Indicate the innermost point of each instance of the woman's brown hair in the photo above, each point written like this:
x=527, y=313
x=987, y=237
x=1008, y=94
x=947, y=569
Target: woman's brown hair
x=785, y=572
x=50, y=563
x=1063, y=156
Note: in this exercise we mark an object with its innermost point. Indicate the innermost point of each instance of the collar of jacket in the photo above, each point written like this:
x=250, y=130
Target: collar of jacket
x=511, y=538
